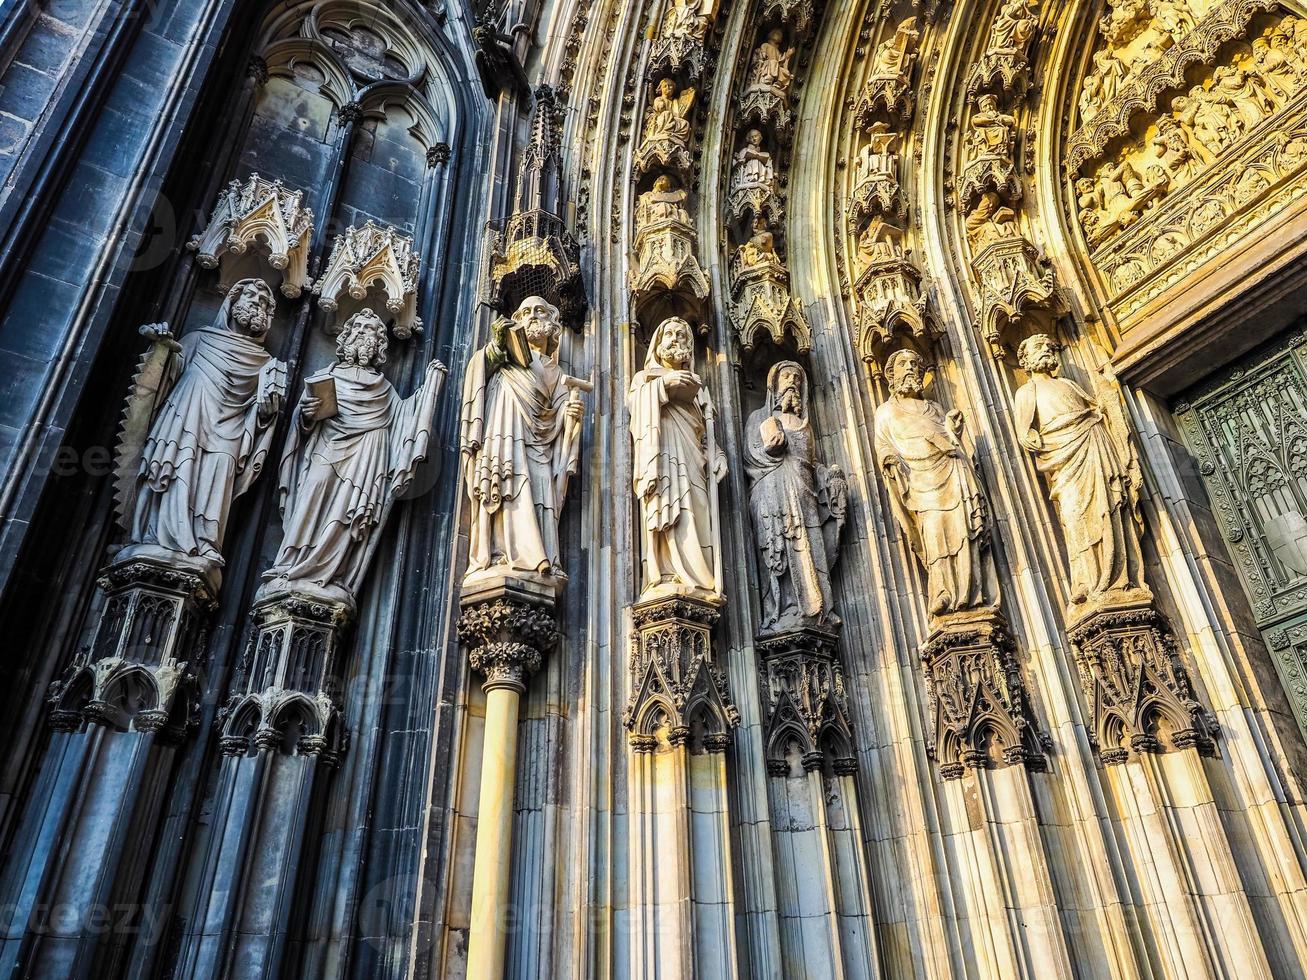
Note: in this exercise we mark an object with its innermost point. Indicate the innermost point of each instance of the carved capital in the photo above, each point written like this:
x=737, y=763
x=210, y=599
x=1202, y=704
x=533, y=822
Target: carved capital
x=977, y=696
x=350, y=113
x=438, y=154
x=1136, y=684
x=507, y=638
x=257, y=69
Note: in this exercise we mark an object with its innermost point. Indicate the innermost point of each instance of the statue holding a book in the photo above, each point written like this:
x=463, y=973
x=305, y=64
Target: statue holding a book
x=520, y=439
x=353, y=449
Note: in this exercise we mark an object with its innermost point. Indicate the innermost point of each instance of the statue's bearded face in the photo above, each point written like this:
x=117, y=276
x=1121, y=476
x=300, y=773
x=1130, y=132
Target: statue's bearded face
x=675, y=347
x=1038, y=355
x=789, y=391
x=540, y=320
x=907, y=377
x=251, y=310
x=364, y=342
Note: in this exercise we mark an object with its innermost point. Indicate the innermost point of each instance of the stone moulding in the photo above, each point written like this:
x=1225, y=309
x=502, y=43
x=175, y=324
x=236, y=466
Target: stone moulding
x=763, y=304
x=1139, y=693
x=1014, y=281
x=137, y=673
x=976, y=697
x=373, y=255
x=805, y=702
x=290, y=675
x=1223, y=23
x=891, y=303
x=266, y=214
x=676, y=683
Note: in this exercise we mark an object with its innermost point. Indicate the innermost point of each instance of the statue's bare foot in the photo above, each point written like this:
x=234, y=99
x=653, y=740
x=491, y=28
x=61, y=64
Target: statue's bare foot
x=941, y=605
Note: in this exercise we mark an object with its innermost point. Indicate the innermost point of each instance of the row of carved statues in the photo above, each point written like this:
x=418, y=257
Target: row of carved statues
x=199, y=427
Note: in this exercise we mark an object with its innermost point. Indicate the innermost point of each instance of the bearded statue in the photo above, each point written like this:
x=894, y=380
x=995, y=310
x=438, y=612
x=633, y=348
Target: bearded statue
x=520, y=439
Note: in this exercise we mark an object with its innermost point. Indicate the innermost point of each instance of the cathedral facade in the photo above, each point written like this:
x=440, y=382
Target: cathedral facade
x=672, y=488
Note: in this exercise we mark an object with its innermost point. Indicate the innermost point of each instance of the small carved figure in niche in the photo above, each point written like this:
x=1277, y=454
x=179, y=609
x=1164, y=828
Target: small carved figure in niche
x=798, y=506
x=753, y=164
x=1214, y=123
x=1120, y=182
x=344, y=463
x=677, y=464
x=934, y=490
x=1091, y=96
x=1014, y=26
x=770, y=71
x=760, y=250
x=880, y=241
x=669, y=115
x=1243, y=93
x=1274, y=68
x=1290, y=37
x=1186, y=109
x=1110, y=72
x=1173, y=18
x=663, y=202
x=1082, y=446
x=990, y=221
x=207, y=442
x=1174, y=152
x=893, y=59
x=1089, y=198
x=991, y=130
x=684, y=19
x=877, y=162
x=520, y=430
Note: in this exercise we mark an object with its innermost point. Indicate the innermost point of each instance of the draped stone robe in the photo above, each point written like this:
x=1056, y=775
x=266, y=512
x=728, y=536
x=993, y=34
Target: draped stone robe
x=205, y=447
x=1090, y=482
x=517, y=461
x=673, y=480
x=338, y=478
x=938, y=501
x=795, y=529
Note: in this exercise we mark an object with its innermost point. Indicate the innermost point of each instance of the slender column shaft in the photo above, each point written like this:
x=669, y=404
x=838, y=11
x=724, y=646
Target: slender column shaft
x=491, y=877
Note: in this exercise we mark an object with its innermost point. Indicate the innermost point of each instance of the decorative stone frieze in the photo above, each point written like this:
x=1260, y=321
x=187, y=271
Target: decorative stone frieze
x=675, y=680
x=368, y=256
x=267, y=215
x=1136, y=684
x=804, y=702
x=287, y=698
x=138, y=672
x=977, y=697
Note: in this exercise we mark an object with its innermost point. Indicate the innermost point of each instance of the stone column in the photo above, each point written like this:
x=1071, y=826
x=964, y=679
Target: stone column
x=507, y=626
x=118, y=714
x=281, y=735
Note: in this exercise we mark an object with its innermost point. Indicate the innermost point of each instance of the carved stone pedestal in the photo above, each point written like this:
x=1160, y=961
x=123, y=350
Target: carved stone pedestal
x=676, y=683
x=137, y=674
x=1136, y=685
x=977, y=696
x=290, y=681
x=804, y=701
x=508, y=626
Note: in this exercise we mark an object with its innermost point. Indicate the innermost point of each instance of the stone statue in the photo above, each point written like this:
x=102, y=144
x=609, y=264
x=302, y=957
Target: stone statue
x=877, y=161
x=1174, y=152
x=798, y=506
x=753, y=164
x=760, y=249
x=181, y=466
x=770, y=71
x=992, y=130
x=676, y=467
x=684, y=19
x=880, y=241
x=1082, y=446
x=668, y=116
x=353, y=448
x=1014, y=26
x=893, y=59
x=1173, y=17
x=935, y=491
x=663, y=202
x=520, y=440
x=990, y=220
